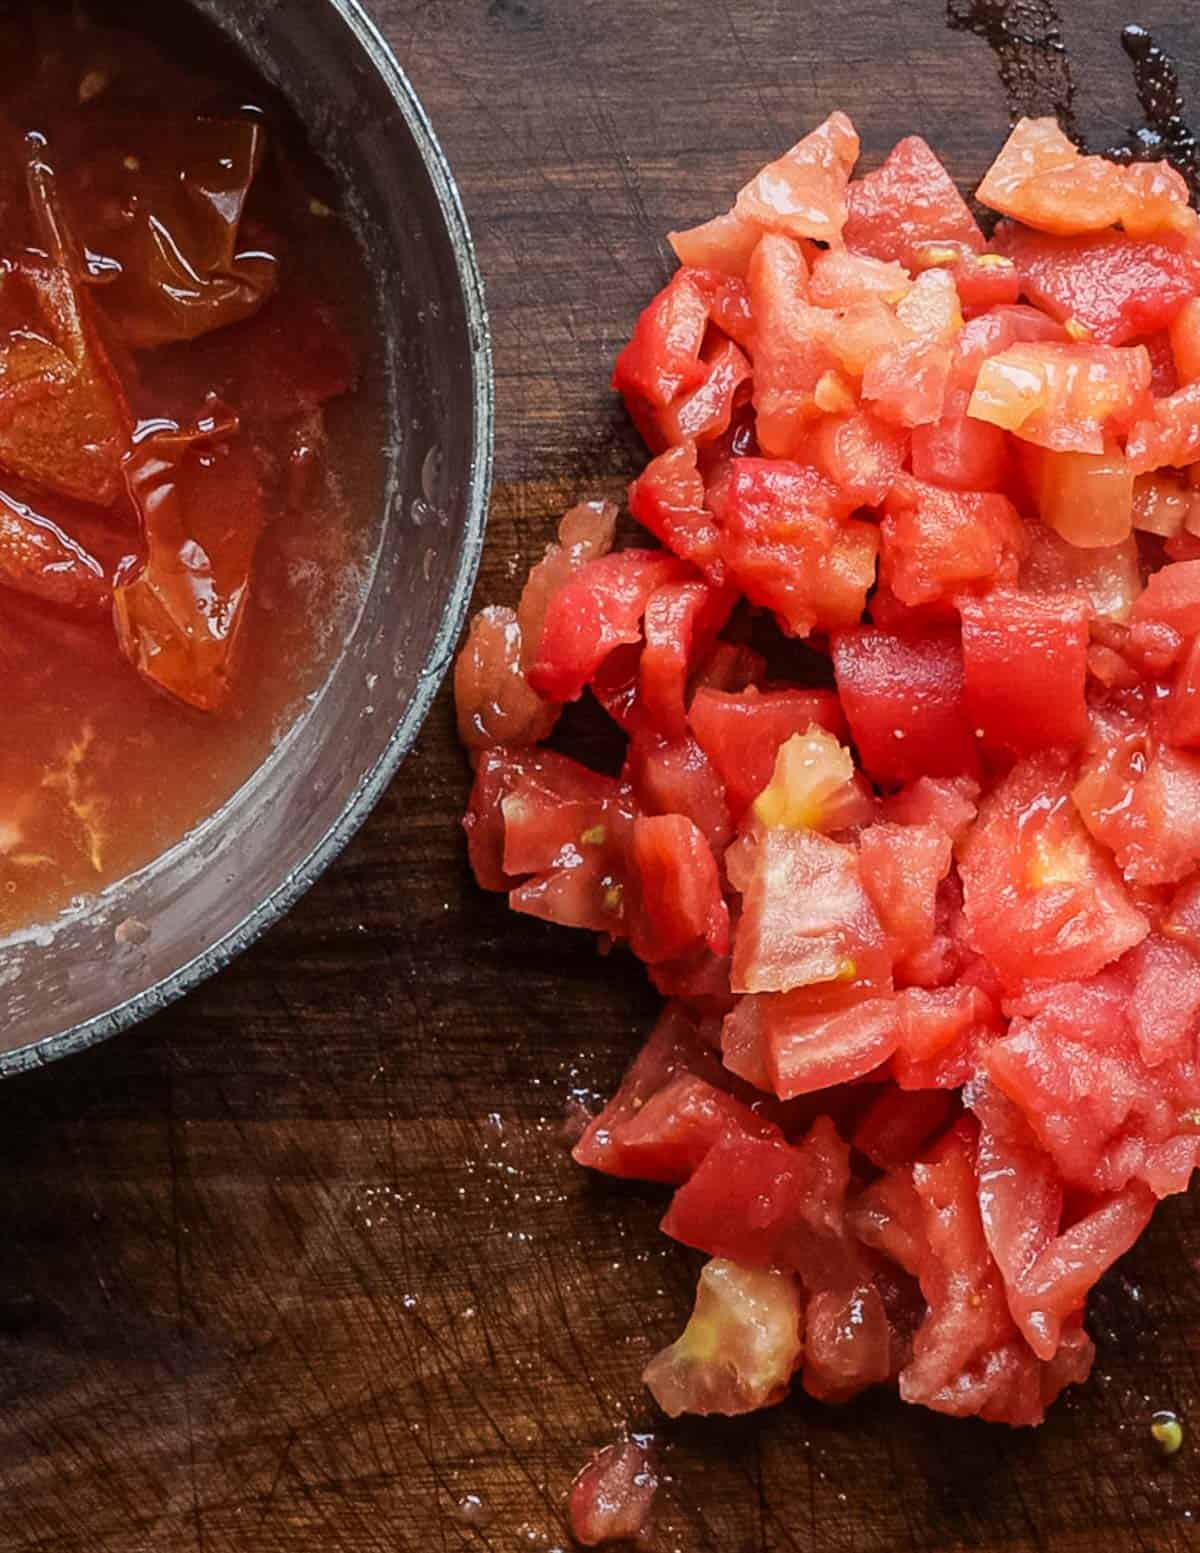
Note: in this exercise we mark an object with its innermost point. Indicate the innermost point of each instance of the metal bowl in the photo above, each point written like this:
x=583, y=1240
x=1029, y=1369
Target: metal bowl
x=92, y=973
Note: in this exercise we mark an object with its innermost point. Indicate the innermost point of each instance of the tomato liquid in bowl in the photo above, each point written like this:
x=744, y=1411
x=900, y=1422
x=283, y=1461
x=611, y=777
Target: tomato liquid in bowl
x=154, y=656
x=221, y=640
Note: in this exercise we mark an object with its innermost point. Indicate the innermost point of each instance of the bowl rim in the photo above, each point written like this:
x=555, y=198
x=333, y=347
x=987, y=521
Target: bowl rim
x=168, y=989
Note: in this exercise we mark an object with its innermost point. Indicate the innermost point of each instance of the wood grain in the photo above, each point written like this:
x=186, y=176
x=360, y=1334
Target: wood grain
x=303, y=1263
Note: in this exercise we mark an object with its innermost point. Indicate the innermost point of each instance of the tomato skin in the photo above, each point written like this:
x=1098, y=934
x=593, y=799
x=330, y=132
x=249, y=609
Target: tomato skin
x=908, y=202
x=742, y=733
x=1025, y=662
x=679, y=902
x=789, y=545
x=596, y=610
x=904, y=699
x=1040, y=898
x=938, y=544
x=1114, y=286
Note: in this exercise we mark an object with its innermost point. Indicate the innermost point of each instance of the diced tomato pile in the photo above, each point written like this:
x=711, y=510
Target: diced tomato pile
x=926, y=912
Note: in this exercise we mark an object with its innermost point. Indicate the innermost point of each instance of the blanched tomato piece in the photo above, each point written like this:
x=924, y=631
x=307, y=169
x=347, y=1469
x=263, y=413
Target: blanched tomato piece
x=959, y=452
x=678, y=901
x=1168, y=434
x=1184, y=337
x=681, y=622
x=1172, y=598
x=938, y=544
x=789, y=545
x=1108, y=576
x=675, y=776
x=860, y=453
x=982, y=280
x=826, y=1034
x=1071, y=1065
x=668, y=1137
x=847, y=1342
x=492, y=697
x=180, y=615
x=905, y=384
x=814, y=787
x=585, y=532
x=673, y=1048
x=906, y=203
x=165, y=226
x=1043, y=180
x=1068, y=398
x=897, y=1124
x=1142, y=801
x=599, y=608
x=742, y=734
x=1112, y=286
x=662, y=358
x=805, y=916
x=705, y=413
x=1041, y=898
x=1166, y=999
x=902, y=866
x=793, y=348
x=767, y=1204
x=725, y=243
x=739, y=1349
x=611, y=1497
x=950, y=803
x=840, y=278
x=1025, y=661
x=1087, y=498
x=1183, y=710
x=803, y=194
x=904, y=698
x=668, y=499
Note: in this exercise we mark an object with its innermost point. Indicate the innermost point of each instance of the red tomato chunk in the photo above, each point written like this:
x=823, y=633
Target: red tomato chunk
x=907, y=828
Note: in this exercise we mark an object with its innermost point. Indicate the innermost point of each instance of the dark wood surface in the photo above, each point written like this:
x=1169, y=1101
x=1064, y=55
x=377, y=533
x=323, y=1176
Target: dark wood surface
x=302, y=1264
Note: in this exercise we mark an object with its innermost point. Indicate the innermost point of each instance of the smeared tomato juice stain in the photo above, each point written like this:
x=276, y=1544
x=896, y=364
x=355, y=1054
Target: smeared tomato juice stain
x=178, y=552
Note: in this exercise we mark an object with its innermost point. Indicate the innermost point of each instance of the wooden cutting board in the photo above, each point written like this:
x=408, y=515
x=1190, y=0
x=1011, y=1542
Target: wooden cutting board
x=302, y=1265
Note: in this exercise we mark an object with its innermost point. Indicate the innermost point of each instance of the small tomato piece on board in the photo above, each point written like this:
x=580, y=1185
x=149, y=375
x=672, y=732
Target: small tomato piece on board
x=793, y=345
x=860, y=453
x=1108, y=576
x=908, y=202
x=180, y=614
x=812, y=787
x=585, y=532
x=902, y=866
x=1041, y=899
x=667, y=498
x=1087, y=498
x=1068, y=398
x=662, y=358
x=492, y=697
x=598, y=608
x=742, y=733
x=904, y=698
x=804, y=193
x=679, y=902
x=938, y=543
x=1026, y=669
x=1111, y=286
x=789, y=546
x=739, y=1349
x=1168, y=433
x=725, y=243
x=805, y=916
x=611, y=1497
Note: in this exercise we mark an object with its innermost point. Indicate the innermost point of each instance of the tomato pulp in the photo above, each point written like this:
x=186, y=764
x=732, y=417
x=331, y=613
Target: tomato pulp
x=929, y=927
